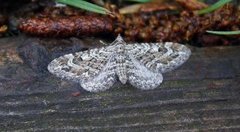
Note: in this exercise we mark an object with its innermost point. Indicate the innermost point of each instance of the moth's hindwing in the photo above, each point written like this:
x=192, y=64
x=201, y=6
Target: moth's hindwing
x=141, y=77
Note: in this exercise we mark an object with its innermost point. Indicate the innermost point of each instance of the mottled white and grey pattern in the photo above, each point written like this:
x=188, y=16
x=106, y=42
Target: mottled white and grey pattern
x=140, y=64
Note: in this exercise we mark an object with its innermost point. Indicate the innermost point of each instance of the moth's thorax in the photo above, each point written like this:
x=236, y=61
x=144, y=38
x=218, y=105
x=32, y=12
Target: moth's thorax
x=119, y=45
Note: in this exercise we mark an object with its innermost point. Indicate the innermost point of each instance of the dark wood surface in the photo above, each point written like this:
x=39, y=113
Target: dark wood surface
x=203, y=94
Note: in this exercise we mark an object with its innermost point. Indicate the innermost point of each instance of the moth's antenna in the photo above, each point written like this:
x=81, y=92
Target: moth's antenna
x=102, y=42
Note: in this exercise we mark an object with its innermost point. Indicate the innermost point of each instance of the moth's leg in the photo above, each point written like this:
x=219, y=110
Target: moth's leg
x=141, y=77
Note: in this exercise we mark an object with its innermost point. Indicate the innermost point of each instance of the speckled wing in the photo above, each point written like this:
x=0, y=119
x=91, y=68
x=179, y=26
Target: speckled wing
x=93, y=69
x=159, y=57
x=141, y=77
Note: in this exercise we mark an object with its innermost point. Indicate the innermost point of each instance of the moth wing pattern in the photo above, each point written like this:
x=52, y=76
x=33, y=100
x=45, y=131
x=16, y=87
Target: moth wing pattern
x=103, y=80
x=141, y=64
x=141, y=77
x=93, y=69
x=159, y=57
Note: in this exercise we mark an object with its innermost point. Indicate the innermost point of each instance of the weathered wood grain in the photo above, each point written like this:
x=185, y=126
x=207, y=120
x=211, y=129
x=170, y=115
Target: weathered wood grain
x=202, y=95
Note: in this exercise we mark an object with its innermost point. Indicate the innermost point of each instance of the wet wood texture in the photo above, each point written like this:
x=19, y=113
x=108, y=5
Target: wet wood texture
x=203, y=94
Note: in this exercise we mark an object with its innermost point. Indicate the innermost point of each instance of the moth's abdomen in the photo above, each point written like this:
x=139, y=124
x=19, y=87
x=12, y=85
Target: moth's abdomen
x=121, y=68
x=121, y=72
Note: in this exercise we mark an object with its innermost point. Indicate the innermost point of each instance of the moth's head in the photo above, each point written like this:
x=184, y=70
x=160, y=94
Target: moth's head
x=119, y=41
x=119, y=45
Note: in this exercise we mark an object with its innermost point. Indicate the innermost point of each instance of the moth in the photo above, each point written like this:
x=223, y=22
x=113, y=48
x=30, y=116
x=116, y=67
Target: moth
x=140, y=64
